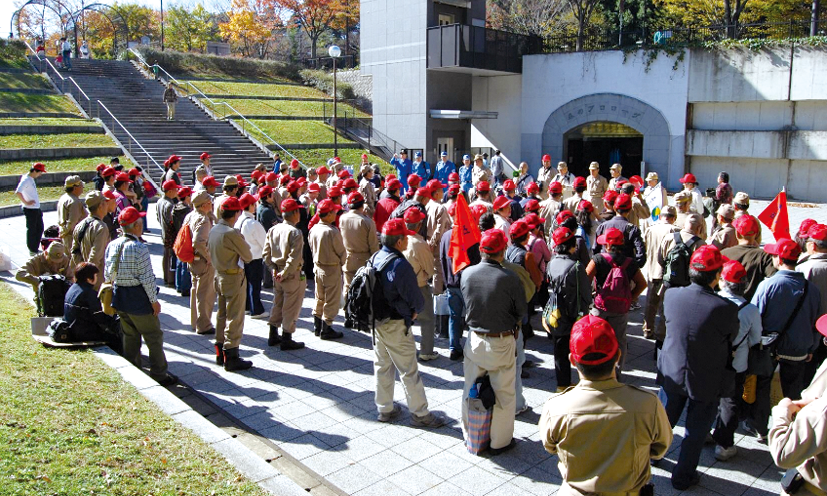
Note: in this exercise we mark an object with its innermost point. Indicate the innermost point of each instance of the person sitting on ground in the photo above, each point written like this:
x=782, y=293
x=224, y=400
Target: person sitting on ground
x=83, y=312
x=53, y=261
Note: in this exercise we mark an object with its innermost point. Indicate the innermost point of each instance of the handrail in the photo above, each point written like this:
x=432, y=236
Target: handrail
x=62, y=79
x=129, y=145
x=216, y=103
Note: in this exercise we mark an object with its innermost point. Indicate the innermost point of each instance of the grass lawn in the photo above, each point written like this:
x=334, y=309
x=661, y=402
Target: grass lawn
x=257, y=89
x=298, y=131
x=317, y=157
x=19, y=102
x=46, y=193
x=15, y=167
x=21, y=81
x=70, y=425
x=287, y=108
x=47, y=121
x=72, y=140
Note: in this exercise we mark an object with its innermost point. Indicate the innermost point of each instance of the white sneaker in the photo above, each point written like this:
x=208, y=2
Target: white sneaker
x=262, y=316
x=425, y=357
x=523, y=410
x=723, y=454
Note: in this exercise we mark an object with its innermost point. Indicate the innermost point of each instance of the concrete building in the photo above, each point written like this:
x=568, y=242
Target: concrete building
x=442, y=81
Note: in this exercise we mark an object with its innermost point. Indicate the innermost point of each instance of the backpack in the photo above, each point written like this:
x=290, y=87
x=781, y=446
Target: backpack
x=81, y=234
x=616, y=294
x=366, y=303
x=557, y=319
x=179, y=213
x=50, y=295
x=676, y=268
x=183, y=245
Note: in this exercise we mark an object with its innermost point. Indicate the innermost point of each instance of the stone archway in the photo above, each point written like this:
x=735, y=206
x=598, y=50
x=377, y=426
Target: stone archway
x=612, y=107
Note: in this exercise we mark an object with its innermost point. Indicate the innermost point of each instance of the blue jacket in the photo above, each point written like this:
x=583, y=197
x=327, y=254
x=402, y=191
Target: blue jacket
x=399, y=285
x=776, y=297
x=444, y=168
x=701, y=326
x=465, y=177
x=82, y=310
x=633, y=245
x=423, y=170
x=403, y=170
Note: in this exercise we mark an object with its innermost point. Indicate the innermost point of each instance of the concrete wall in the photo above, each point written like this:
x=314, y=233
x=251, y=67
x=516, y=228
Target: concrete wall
x=501, y=94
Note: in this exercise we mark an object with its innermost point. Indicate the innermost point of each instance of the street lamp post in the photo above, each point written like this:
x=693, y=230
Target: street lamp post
x=335, y=52
x=162, y=25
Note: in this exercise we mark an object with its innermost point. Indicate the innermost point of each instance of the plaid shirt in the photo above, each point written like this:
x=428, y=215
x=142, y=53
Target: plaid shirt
x=134, y=268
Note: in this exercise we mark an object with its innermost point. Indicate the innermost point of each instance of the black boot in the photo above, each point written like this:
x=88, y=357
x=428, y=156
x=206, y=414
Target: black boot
x=528, y=331
x=219, y=353
x=233, y=362
x=329, y=333
x=274, y=338
x=287, y=342
x=317, y=325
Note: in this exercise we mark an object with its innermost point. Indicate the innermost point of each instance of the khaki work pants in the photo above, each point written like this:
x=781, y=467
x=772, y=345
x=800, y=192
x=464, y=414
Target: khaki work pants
x=395, y=348
x=354, y=262
x=328, y=292
x=148, y=328
x=497, y=358
x=287, y=301
x=170, y=110
x=439, y=282
x=654, y=307
x=202, y=295
x=232, y=298
x=426, y=322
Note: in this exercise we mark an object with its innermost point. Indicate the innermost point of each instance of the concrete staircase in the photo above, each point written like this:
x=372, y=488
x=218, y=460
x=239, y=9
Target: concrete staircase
x=137, y=102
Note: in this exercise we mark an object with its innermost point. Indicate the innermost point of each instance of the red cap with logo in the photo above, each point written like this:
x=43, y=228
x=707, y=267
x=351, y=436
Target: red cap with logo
x=532, y=188
x=205, y=156
x=747, y=225
x=518, y=229
x=413, y=216
x=555, y=188
x=611, y=237
x=734, y=272
x=579, y=182
x=493, y=241
x=433, y=184
x=689, y=178
x=231, y=204
x=130, y=215
x=532, y=205
x=533, y=220
x=322, y=170
x=592, y=336
x=483, y=186
x=509, y=185
x=396, y=227
x=350, y=183
x=562, y=215
x=355, y=197
x=817, y=233
x=314, y=188
x=707, y=258
x=173, y=158
x=501, y=202
x=453, y=176
x=327, y=206
x=476, y=210
x=414, y=179
x=636, y=180
x=561, y=235
x=169, y=185
x=786, y=249
x=334, y=192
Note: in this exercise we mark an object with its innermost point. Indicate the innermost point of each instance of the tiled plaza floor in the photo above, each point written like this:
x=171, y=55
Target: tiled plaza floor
x=317, y=405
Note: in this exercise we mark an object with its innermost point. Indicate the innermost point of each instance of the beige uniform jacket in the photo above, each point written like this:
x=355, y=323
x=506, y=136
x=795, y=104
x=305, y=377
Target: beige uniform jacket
x=548, y=211
x=421, y=258
x=437, y=223
x=327, y=245
x=723, y=237
x=669, y=242
x=571, y=203
x=93, y=245
x=640, y=211
x=596, y=187
x=604, y=434
x=38, y=266
x=613, y=181
x=70, y=211
x=200, y=226
x=322, y=190
x=368, y=191
x=216, y=205
x=283, y=250
x=544, y=176
x=802, y=442
x=227, y=246
x=480, y=174
x=654, y=239
x=359, y=237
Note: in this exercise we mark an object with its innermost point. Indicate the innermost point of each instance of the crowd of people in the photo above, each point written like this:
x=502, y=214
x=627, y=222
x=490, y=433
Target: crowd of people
x=578, y=251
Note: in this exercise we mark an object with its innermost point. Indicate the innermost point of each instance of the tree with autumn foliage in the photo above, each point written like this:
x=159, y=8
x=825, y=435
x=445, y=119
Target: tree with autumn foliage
x=251, y=25
x=189, y=28
x=315, y=17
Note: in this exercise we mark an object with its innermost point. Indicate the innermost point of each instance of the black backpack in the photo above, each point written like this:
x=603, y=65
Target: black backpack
x=366, y=301
x=179, y=213
x=51, y=294
x=676, y=267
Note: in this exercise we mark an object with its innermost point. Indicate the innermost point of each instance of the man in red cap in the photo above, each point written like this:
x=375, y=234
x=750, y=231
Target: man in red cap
x=545, y=175
x=438, y=221
x=502, y=215
x=690, y=184
x=135, y=296
x=108, y=176
x=632, y=238
x=578, y=191
x=510, y=192
x=227, y=248
x=748, y=251
x=605, y=433
x=163, y=209
x=483, y=196
x=420, y=199
x=496, y=304
x=385, y=206
x=696, y=358
x=421, y=258
x=203, y=170
x=329, y=255
x=814, y=268
x=173, y=163
x=26, y=191
x=359, y=237
x=551, y=206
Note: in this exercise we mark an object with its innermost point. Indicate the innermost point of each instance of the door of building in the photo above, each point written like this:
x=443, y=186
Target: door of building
x=605, y=143
x=445, y=145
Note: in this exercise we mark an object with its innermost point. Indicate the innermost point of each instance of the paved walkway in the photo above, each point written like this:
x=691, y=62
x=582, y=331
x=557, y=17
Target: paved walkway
x=317, y=405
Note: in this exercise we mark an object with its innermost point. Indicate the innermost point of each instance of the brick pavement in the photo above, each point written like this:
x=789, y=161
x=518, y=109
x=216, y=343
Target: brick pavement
x=317, y=405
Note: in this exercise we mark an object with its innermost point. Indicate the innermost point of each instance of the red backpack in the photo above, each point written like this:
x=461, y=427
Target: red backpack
x=616, y=294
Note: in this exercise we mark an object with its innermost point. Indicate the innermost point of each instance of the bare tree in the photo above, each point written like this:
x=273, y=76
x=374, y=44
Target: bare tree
x=529, y=17
x=583, y=10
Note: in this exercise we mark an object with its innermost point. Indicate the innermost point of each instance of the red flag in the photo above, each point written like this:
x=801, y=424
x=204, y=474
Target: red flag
x=775, y=217
x=466, y=234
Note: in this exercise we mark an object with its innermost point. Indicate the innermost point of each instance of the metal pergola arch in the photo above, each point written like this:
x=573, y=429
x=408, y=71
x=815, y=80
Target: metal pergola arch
x=46, y=4
x=99, y=8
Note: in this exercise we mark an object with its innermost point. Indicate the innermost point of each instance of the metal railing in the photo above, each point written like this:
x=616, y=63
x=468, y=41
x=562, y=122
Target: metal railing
x=155, y=69
x=459, y=45
x=361, y=129
x=343, y=62
x=75, y=90
x=115, y=121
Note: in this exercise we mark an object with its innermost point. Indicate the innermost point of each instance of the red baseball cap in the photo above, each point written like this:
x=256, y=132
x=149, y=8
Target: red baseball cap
x=289, y=205
x=173, y=158
x=168, y=185
x=184, y=192
x=561, y=235
x=532, y=188
x=396, y=227
x=476, y=210
x=579, y=182
x=453, y=189
x=109, y=195
x=562, y=215
x=271, y=177
x=205, y=156
x=390, y=176
x=294, y=164
x=130, y=215
x=414, y=179
x=610, y=196
x=231, y=204
x=518, y=229
x=483, y=186
x=355, y=197
x=592, y=335
x=264, y=191
x=585, y=205
x=784, y=248
x=805, y=226
x=122, y=177
x=546, y=158
x=453, y=176
x=101, y=167
x=688, y=178
x=734, y=272
x=210, y=181
x=509, y=185
x=532, y=206
x=493, y=241
x=413, y=215
x=555, y=188
x=293, y=186
x=501, y=202
x=393, y=185
x=344, y=174
x=637, y=180
x=39, y=167
x=533, y=220
x=246, y=200
x=334, y=192
x=821, y=325
x=134, y=172
x=707, y=258
x=256, y=174
x=350, y=183
x=327, y=206
x=818, y=232
x=314, y=187
x=623, y=202
x=611, y=237
x=433, y=184
x=322, y=170
x=747, y=225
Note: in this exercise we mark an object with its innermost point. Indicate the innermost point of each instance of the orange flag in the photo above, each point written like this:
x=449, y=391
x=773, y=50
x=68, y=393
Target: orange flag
x=466, y=234
x=775, y=216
